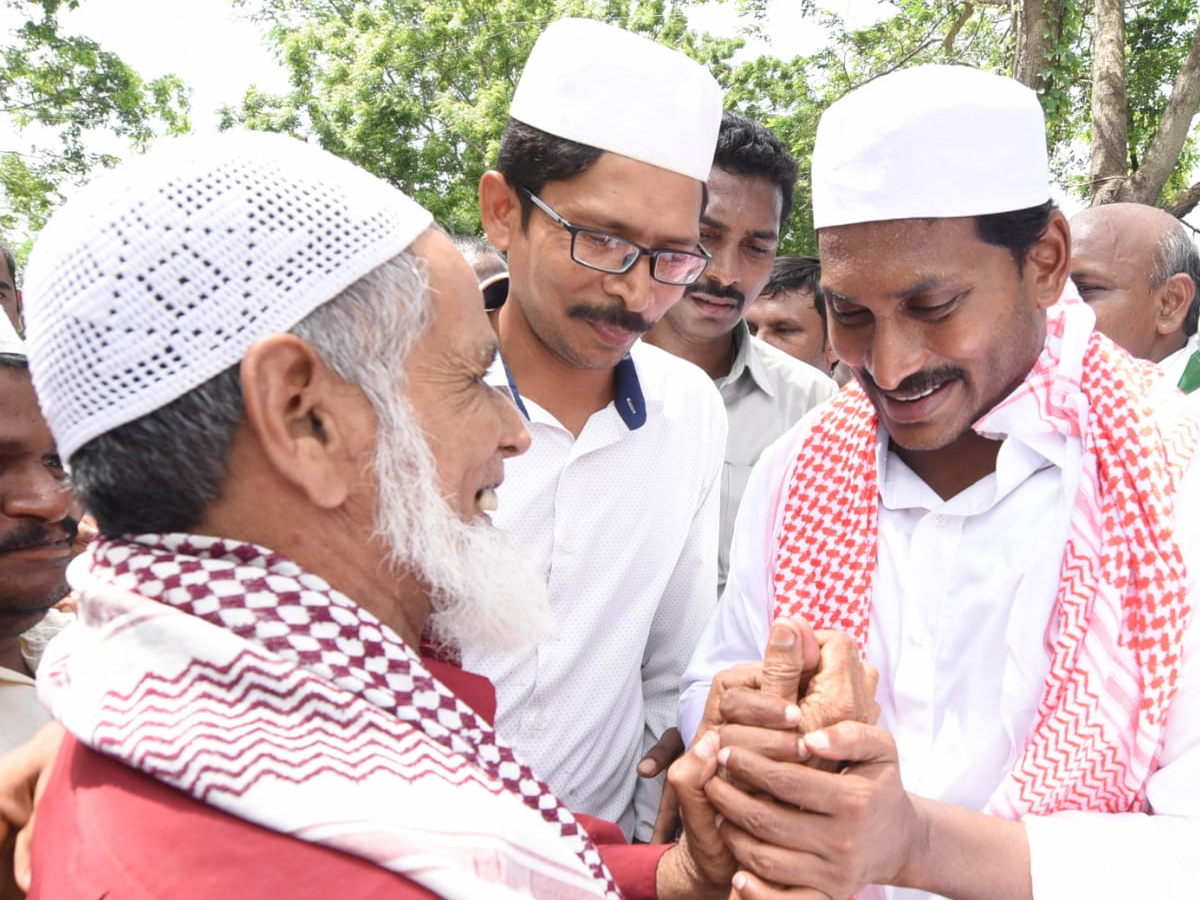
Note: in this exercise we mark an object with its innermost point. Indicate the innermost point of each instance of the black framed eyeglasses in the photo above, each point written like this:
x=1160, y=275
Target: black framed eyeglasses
x=612, y=253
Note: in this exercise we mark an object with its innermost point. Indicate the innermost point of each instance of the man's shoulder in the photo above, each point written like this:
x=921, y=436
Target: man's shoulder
x=793, y=375
x=664, y=375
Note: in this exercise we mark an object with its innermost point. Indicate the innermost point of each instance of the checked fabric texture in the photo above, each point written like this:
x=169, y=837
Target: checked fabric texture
x=230, y=673
x=1121, y=608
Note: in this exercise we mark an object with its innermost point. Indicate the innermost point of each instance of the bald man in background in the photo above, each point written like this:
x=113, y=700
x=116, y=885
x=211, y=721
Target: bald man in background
x=1139, y=270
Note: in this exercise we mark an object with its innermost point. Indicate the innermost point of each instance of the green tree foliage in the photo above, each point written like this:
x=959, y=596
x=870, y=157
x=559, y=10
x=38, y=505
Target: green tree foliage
x=417, y=92
x=1051, y=45
x=60, y=91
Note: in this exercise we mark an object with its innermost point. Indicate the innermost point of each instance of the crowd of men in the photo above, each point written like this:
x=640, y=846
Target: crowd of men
x=424, y=564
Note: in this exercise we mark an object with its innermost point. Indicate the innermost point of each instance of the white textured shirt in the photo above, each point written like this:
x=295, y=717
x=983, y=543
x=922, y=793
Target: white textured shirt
x=623, y=523
x=766, y=392
x=963, y=592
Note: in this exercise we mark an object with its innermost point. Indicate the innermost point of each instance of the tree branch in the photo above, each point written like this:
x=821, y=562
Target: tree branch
x=1171, y=134
x=1186, y=202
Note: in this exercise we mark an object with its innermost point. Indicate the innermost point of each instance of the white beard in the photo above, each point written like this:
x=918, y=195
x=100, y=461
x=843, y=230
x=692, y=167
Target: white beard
x=486, y=595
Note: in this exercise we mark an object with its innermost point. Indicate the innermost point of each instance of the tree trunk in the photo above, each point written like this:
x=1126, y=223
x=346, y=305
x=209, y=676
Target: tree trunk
x=1147, y=183
x=1110, y=104
x=1036, y=27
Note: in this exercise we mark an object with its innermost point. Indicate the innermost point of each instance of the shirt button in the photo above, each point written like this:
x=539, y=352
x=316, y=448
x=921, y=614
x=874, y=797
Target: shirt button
x=539, y=722
x=940, y=520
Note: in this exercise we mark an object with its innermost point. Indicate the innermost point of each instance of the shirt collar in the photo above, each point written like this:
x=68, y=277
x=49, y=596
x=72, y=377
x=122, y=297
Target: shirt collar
x=746, y=359
x=628, y=398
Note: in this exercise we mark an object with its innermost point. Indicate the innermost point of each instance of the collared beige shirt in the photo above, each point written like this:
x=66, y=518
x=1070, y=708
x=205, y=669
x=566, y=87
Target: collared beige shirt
x=765, y=393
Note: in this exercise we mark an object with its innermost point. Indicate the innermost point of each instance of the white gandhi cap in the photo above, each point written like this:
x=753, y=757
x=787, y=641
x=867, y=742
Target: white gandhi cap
x=930, y=142
x=159, y=275
x=595, y=84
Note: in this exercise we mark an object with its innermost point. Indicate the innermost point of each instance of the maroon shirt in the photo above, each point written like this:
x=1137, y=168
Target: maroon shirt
x=105, y=830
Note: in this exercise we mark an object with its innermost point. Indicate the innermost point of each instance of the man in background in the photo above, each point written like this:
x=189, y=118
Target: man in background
x=490, y=268
x=38, y=527
x=788, y=313
x=1138, y=268
x=765, y=391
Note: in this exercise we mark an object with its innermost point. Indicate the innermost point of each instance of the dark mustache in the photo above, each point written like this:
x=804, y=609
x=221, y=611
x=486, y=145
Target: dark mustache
x=33, y=532
x=918, y=382
x=617, y=316
x=724, y=292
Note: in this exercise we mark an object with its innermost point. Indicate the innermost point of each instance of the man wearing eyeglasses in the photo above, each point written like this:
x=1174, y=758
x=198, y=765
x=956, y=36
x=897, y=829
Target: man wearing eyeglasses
x=596, y=200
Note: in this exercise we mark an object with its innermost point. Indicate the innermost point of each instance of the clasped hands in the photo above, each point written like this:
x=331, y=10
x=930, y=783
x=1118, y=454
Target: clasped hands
x=789, y=788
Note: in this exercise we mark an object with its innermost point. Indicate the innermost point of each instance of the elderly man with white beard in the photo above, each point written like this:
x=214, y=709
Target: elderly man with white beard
x=266, y=371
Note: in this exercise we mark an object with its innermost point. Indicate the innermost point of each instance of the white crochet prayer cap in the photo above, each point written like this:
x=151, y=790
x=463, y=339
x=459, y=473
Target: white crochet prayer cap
x=10, y=343
x=594, y=84
x=930, y=142
x=159, y=275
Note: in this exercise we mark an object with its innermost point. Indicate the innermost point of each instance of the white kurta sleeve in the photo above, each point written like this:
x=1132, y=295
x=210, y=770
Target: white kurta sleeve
x=684, y=609
x=1113, y=857
x=737, y=632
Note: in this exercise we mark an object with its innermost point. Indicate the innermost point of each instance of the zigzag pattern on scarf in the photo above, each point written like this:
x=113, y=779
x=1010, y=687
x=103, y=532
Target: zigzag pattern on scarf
x=220, y=729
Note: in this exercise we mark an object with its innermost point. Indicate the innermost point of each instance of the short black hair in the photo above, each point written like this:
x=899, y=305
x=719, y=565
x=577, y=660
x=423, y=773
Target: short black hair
x=796, y=273
x=744, y=147
x=531, y=158
x=1016, y=231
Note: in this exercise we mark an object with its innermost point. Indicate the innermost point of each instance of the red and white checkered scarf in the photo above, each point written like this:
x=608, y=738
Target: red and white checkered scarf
x=1121, y=607
x=229, y=673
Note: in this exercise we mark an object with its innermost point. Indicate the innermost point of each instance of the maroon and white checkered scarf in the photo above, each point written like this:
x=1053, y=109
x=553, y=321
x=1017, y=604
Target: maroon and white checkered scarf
x=230, y=673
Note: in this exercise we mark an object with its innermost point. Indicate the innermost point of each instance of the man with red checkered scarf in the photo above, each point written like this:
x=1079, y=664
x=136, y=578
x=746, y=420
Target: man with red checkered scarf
x=1004, y=511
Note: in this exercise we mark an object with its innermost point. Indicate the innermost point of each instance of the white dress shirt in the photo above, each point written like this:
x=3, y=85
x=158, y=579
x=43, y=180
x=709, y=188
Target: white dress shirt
x=623, y=522
x=766, y=392
x=963, y=592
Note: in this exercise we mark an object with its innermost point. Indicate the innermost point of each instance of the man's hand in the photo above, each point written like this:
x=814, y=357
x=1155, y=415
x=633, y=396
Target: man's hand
x=668, y=749
x=700, y=865
x=23, y=775
x=831, y=833
x=766, y=693
x=809, y=680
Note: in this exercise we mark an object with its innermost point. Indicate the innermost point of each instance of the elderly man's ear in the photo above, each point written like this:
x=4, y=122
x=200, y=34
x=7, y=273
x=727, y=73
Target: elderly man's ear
x=307, y=422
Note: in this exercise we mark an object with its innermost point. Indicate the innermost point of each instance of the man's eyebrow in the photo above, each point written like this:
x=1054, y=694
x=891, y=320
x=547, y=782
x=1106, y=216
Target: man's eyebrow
x=917, y=289
x=5, y=286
